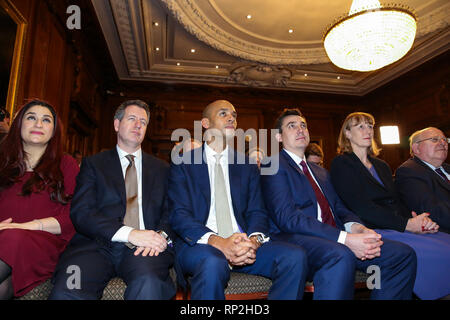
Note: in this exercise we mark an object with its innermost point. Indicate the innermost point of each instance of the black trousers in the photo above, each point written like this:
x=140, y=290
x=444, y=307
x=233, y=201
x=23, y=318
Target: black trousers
x=85, y=269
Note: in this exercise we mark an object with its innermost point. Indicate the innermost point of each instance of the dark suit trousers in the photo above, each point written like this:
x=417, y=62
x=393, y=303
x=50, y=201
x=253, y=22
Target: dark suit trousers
x=209, y=272
x=332, y=268
x=147, y=278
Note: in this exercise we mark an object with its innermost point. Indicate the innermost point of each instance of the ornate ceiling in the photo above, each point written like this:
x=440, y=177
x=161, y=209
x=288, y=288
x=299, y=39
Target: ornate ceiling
x=279, y=46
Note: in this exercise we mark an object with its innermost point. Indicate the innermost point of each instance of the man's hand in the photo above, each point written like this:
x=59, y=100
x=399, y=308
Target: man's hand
x=238, y=249
x=359, y=228
x=148, y=242
x=365, y=245
x=421, y=223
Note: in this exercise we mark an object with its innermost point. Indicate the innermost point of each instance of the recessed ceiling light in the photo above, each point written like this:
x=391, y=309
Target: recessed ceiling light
x=178, y=63
x=193, y=50
x=217, y=67
x=306, y=74
x=157, y=49
x=338, y=77
x=291, y=30
x=249, y=16
x=155, y=24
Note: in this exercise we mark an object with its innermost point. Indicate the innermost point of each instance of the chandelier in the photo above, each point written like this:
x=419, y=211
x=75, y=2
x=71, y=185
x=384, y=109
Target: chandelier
x=370, y=36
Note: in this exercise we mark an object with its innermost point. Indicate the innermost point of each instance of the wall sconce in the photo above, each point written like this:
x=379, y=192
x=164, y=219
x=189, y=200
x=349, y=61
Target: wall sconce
x=389, y=135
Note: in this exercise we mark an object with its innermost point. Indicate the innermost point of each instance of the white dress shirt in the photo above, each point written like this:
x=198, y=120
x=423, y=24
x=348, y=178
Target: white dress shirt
x=211, y=223
x=348, y=225
x=122, y=234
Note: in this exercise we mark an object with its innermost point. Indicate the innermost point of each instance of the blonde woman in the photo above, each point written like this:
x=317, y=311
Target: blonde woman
x=364, y=182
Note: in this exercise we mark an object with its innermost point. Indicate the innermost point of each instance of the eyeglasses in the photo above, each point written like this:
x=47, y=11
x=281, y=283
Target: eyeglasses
x=435, y=139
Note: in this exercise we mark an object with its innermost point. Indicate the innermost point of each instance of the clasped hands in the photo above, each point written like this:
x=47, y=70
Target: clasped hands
x=365, y=243
x=421, y=224
x=148, y=242
x=239, y=249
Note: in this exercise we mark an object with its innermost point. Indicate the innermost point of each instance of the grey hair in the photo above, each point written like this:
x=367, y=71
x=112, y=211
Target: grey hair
x=120, y=111
x=415, y=137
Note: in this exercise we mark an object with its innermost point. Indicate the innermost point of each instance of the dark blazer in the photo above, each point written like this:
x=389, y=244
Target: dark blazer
x=423, y=190
x=99, y=203
x=190, y=199
x=378, y=206
x=292, y=203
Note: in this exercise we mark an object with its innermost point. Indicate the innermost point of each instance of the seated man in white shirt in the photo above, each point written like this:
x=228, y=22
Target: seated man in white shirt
x=218, y=213
x=423, y=180
x=119, y=210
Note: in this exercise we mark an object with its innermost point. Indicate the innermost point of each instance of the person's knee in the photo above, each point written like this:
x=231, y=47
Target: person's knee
x=406, y=254
x=399, y=252
x=149, y=286
x=71, y=284
x=214, y=263
x=343, y=254
x=292, y=255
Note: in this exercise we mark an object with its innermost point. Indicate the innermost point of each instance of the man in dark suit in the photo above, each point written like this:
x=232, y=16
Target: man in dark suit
x=423, y=180
x=119, y=211
x=306, y=210
x=218, y=213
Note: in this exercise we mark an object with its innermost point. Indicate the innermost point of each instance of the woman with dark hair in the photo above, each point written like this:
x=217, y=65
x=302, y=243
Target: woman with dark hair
x=365, y=184
x=36, y=185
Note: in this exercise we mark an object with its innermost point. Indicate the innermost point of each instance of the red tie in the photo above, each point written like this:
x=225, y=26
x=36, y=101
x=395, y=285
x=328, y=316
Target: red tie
x=327, y=216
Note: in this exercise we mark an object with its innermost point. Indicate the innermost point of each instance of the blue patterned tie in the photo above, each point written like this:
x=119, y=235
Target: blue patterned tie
x=439, y=172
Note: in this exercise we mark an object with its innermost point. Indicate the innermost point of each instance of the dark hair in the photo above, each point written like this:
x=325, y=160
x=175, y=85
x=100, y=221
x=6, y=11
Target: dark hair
x=47, y=173
x=313, y=149
x=287, y=112
x=120, y=111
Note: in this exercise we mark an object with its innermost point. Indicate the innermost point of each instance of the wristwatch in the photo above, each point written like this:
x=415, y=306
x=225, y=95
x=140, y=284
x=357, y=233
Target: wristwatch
x=166, y=236
x=259, y=238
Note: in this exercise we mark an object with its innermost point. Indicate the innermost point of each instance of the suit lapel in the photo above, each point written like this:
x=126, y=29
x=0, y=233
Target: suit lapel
x=443, y=183
x=116, y=174
x=234, y=173
x=322, y=185
x=447, y=169
x=388, y=181
x=148, y=179
x=367, y=173
x=201, y=171
x=434, y=174
x=304, y=179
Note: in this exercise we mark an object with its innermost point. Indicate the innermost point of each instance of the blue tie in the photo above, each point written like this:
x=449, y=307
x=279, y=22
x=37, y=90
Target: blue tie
x=439, y=172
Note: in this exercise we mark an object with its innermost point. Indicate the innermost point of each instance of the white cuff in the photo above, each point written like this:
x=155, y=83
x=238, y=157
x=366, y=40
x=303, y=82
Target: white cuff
x=204, y=239
x=122, y=234
x=265, y=239
x=342, y=237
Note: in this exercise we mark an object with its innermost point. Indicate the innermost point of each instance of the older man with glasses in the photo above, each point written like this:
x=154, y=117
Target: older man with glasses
x=424, y=180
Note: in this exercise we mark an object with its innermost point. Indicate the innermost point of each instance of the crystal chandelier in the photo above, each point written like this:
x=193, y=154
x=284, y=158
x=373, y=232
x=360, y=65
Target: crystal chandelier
x=371, y=36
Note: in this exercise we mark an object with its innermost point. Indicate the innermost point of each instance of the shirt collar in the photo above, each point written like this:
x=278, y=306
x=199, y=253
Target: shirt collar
x=295, y=157
x=122, y=154
x=430, y=165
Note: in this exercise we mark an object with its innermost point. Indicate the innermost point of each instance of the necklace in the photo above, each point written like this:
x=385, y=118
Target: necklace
x=29, y=166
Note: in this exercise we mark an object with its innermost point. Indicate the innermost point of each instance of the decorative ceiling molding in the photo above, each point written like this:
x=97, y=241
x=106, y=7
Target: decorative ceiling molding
x=258, y=75
x=190, y=15
x=143, y=51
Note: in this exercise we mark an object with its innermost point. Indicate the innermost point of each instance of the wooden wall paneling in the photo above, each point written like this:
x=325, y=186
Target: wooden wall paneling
x=67, y=85
x=55, y=74
x=416, y=100
x=36, y=66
